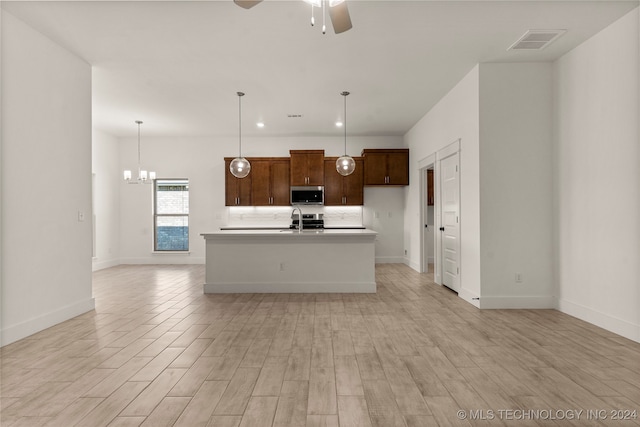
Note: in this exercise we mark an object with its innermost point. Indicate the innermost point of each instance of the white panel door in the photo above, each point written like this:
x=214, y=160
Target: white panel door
x=450, y=226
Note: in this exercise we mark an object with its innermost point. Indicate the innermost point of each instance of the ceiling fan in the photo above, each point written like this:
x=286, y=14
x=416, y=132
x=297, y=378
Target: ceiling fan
x=338, y=12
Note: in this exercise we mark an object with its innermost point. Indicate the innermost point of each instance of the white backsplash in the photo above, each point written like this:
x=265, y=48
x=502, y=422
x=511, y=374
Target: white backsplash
x=280, y=216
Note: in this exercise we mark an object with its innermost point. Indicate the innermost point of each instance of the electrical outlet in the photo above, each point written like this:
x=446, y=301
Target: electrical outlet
x=80, y=216
x=518, y=277
x=405, y=251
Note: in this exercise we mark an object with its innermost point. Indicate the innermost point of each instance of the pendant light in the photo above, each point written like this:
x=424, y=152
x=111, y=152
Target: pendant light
x=345, y=165
x=143, y=177
x=240, y=167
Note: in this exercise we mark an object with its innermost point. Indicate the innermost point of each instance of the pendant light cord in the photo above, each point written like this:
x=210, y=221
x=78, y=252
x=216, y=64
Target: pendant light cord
x=240, y=95
x=345, y=125
x=139, y=168
x=345, y=121
x=324, y=27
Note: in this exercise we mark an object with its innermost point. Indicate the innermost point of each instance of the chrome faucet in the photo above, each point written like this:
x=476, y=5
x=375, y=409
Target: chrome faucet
x=299, y=217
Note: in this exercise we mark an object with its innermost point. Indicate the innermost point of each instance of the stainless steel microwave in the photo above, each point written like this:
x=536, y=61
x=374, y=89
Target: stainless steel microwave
x=307, y=195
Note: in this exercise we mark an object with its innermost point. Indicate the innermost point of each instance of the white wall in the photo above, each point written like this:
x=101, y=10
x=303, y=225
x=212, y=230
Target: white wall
x=106, y=200
x=201, y=160
x=455, y=117
x=516, y=185
x=384, y=212
x=46, y=181
x=597, y=179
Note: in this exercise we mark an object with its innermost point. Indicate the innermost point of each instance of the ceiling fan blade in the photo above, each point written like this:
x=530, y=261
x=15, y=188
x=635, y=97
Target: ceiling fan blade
x=340, y=17
x=246, y=4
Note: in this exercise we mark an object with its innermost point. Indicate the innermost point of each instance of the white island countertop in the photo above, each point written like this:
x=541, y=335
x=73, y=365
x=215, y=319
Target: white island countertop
x=286, y=233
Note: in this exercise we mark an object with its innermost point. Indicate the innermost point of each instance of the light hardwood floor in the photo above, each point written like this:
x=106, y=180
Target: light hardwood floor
x=158, y=352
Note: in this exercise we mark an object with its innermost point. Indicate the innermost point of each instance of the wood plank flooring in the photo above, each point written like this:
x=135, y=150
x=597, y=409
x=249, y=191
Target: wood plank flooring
x=158, y=352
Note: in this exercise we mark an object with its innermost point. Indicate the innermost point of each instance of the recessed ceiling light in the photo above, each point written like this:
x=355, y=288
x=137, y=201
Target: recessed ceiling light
x=339, y=124
x=260, y=124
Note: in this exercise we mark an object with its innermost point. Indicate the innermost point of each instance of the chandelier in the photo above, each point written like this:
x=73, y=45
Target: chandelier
x=143, y=177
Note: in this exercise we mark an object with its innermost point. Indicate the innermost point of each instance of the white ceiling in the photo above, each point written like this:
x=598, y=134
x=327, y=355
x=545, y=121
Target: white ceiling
x=177, y=65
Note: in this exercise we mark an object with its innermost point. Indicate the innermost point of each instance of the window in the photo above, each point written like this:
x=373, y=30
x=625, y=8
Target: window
x=171, y=215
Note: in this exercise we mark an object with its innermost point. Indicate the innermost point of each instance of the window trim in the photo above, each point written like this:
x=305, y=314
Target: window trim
x=157, y=215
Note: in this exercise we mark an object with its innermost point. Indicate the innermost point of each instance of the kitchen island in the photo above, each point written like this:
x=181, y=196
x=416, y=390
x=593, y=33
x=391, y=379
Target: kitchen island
x=289, y=261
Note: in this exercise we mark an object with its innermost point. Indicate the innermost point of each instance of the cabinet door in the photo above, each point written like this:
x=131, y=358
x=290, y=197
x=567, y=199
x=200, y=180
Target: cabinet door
x=333, y=183
x=398, y=168
x=237, y=190
x=430, y=187
x=307, y=167
x=298, y=173
x=280, y=182
x=375, y=172
x=260, y=182
x=315, y=168
x=354, y=185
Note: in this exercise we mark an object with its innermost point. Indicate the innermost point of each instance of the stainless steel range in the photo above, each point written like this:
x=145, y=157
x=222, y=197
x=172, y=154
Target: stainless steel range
x=309, y=221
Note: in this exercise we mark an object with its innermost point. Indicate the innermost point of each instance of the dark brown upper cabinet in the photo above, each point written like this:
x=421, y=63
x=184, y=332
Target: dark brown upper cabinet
x=270, y=181
x=343, y=190
x=237, y=190
x=430, y=192
x=386, y=166
x=307, y=167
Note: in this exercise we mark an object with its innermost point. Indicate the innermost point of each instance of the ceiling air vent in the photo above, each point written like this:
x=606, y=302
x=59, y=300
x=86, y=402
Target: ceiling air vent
x=536, y=39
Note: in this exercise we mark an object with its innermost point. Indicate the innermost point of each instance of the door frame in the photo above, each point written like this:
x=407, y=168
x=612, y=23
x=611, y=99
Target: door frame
x=448, y=151
x=425, y=164
x=433, y=161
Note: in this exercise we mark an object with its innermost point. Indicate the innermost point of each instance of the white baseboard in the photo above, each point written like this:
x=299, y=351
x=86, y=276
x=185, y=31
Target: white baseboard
x=606, y=321
x=524, y=302
x=469, y=297
x=289, y=288
x=413, y=265
x=390, y=260
x=101, y=265
x=22, y=330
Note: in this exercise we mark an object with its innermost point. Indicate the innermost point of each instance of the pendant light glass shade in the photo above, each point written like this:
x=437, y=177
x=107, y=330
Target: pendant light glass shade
x=345, y=165
x=240, y=167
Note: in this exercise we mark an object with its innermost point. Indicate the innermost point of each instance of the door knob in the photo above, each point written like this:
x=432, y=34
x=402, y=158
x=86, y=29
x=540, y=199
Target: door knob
x=441, y=228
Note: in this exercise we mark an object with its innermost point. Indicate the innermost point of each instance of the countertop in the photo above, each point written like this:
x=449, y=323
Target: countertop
x=280, y=233
x=336, y=227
